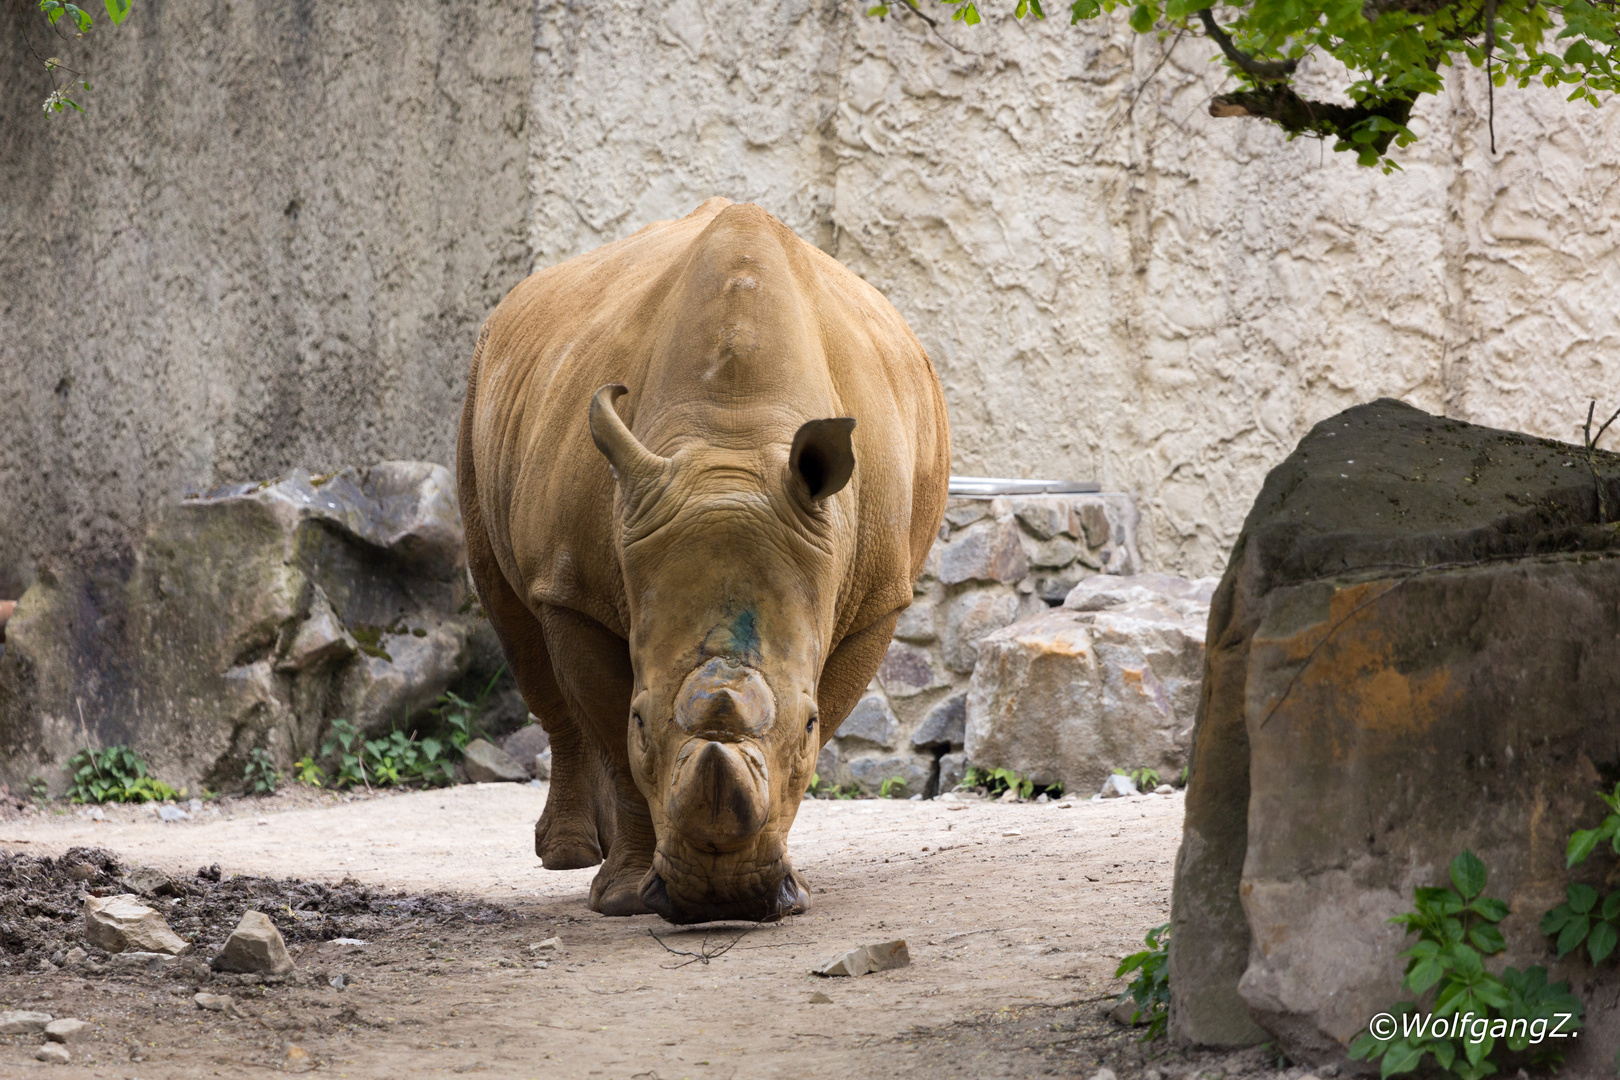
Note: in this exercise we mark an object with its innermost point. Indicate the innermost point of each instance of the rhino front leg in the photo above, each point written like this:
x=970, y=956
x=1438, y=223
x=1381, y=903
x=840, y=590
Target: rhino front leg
x=594, y=675
x=576, y=828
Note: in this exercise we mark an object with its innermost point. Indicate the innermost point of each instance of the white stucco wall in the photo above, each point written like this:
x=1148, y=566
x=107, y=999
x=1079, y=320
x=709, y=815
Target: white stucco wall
x=1133, y=293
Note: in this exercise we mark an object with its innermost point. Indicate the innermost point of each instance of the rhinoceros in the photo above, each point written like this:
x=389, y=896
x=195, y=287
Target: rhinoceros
x=701, y=468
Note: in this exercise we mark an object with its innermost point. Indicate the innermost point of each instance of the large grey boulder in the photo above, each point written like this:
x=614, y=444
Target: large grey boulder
x=1109, y=680
x=1415, y=650
x=252, y=615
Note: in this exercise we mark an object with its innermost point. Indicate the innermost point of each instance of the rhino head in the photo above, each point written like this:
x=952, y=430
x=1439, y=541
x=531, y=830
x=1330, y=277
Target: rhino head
x=732, y=567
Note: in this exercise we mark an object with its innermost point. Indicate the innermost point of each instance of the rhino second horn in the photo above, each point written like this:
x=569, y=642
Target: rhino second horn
x=626, y=456
x=720, y=795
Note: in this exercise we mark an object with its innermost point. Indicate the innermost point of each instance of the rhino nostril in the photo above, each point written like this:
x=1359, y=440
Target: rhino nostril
x=655, y=894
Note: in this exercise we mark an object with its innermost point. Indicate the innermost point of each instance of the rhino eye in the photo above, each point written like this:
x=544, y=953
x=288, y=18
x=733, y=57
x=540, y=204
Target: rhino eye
x=811, y=726
x=637, y=718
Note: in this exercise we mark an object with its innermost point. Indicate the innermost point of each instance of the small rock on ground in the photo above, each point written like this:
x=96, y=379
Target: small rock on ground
x=818, y=998
x=1117, y=785
x=255, y=946
x=526, y=743
x=150, y=881
x=119, y=923
x=66, y=1030
x=884, y=956
x=213, y=1002
x=53, y=1054
x=487, y=763
x=22, y=1022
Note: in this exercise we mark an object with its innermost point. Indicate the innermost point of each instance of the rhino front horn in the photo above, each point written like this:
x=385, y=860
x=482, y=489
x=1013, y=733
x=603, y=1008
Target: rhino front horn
x=720, y=795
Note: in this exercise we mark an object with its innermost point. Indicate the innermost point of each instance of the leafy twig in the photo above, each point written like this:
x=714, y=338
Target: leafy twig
x=1260, y=70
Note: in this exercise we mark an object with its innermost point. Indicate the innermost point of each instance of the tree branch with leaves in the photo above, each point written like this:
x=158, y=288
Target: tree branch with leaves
x=62, y=17
x=1394, y=50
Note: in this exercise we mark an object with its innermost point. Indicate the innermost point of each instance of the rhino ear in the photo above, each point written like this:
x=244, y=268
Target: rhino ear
x=822, y=457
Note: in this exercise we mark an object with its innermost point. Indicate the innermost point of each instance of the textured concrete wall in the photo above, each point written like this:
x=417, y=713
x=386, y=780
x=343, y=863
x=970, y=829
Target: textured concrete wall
x=1113, y=285
x=269, y=243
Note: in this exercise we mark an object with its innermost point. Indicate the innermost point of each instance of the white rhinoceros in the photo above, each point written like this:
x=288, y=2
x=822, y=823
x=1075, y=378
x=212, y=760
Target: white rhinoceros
x=694, y=603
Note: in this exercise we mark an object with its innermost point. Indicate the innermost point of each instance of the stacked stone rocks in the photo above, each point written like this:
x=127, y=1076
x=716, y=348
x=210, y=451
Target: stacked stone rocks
x=998, y=560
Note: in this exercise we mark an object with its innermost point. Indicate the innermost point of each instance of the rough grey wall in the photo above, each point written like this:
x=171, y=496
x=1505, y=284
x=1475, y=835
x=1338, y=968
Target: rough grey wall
x=269, y=243
x=1114, y=285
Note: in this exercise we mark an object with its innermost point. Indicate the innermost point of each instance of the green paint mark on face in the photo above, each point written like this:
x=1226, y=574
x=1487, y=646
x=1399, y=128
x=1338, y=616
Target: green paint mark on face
x=745, y=634
x=738, y=638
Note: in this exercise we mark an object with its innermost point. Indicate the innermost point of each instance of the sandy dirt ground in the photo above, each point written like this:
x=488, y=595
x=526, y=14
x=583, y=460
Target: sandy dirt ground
x=1015, y=916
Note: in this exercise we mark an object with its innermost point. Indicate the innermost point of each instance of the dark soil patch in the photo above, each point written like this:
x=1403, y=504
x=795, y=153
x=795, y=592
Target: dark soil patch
x=42, y=899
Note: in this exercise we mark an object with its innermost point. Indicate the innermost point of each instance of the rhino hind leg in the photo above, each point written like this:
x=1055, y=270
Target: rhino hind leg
x=575, y=829
x=595, y=680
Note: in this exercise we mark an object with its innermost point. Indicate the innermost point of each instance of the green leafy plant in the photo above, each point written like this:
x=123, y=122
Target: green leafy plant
x=460, y=718
x=392, y=759
x=887, y=788
x=38, y=789
x=1474, y=1014
x=1395, y=52
x=260, y=776
x=1151, y=987
x=60, y=14
x=309, y=772
x=1581, y=919
x=1144, y=778
x=113, y=774
x=346, y=748
x=826, y=789
x=998, y=780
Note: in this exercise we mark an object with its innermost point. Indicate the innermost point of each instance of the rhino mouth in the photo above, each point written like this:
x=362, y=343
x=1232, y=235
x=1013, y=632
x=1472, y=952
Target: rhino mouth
x=751, y=897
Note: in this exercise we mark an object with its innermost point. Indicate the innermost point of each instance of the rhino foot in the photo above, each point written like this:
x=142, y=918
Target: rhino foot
x=565, y=850
x=616, y=890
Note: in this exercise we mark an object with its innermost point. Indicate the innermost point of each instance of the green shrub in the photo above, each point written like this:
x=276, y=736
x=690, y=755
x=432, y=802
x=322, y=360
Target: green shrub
x=309, y=772
x=459, y=718
x=1144, y=778
x=1580, y=919
x=260, y=776
x=114, y=774
x=392, y=759
x=996, y=781
x=1151, y=987
x=1456, y=930
x=887, y=788
x=826, y=789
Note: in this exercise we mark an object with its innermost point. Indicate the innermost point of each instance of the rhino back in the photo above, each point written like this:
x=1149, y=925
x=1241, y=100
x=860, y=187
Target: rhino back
x=731, y=331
